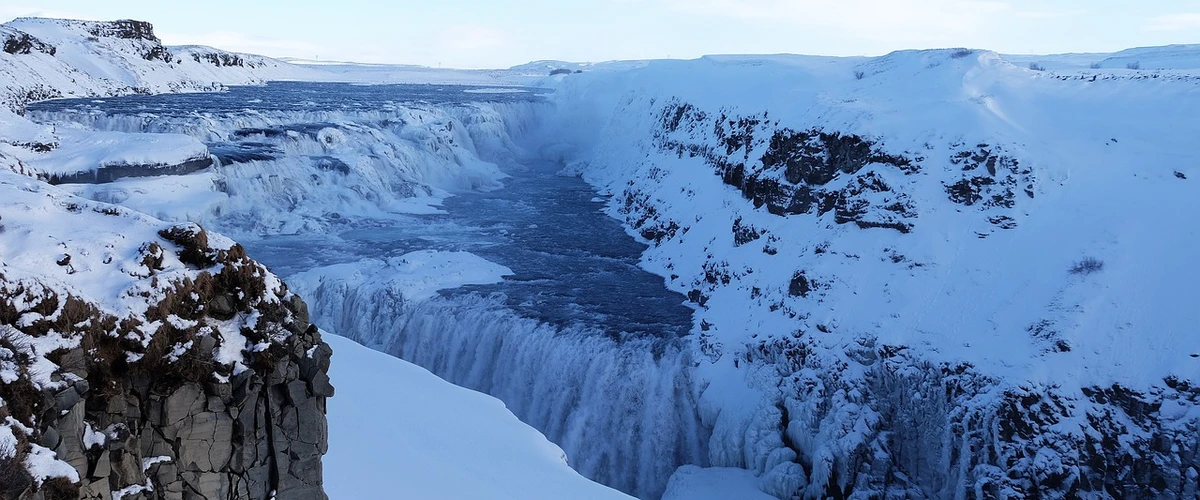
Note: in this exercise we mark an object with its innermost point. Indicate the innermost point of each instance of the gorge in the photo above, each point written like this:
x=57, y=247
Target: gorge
x=885, y=276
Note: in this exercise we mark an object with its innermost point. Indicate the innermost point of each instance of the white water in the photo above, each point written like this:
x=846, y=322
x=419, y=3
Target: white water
x=624, y=413
x=581, y=343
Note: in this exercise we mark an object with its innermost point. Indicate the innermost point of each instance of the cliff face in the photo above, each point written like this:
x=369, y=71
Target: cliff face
x=917, y=261
x=144, y=360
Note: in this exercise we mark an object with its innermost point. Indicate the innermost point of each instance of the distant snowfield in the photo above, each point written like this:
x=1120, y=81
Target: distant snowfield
x=400, y=73
x=398, y=431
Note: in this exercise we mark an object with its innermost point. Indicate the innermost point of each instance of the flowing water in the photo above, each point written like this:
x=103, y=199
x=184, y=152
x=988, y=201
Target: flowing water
x=579, y=342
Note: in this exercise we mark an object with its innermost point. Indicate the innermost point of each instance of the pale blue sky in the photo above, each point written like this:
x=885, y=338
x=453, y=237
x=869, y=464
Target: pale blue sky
x=489, y=34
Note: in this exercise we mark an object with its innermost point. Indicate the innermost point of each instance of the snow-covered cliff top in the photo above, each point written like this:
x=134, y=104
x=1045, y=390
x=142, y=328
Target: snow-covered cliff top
x=1096, y=166
x=47, y=58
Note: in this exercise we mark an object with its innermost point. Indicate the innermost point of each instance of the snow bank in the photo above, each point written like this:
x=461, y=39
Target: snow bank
x=85, y=151
x=415, y=276
x=432, y=439
x=716, y=483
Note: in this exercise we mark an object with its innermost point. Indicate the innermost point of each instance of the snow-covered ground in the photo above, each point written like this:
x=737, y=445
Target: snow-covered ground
x=416, y=276
x=896, y=262
x=398, y=431
x=63, y=58
x=1075, y=146
x=85, y=151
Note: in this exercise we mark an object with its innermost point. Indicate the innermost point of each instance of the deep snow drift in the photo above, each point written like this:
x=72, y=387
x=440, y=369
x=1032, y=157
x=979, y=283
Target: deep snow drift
x=398, y=431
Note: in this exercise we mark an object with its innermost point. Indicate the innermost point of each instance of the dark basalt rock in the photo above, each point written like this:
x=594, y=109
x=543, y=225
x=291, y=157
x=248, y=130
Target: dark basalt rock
x=110, y=173
x=790, y=176
x=173, y=418
x=744, y=233
x=990, y=179
x=129, y=29
x=157, y=53
x=220, y=59
x=37, y=147
x=20, y=42
x=330, y=163
x=799, y=286
x=124, y=28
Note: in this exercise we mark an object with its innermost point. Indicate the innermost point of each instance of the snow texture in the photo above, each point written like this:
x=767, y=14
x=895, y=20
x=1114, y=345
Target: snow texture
x=894, y=251
x=416, y=276
x=946, y=273
x=431, y=439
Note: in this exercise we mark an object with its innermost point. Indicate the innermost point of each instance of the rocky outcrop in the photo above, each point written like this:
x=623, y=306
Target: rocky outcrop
x=110, y=173
x=215, y=391
x=792, y=172
x=125, y=28
x=18, y=42
x=41, y=59
x=245, y=438
x=219, y=59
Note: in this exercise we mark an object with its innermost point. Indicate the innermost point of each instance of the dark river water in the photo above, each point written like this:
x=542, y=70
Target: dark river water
x=579, y=342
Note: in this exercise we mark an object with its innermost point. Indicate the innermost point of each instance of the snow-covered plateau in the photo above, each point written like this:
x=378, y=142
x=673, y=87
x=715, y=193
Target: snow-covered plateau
x=930, y=274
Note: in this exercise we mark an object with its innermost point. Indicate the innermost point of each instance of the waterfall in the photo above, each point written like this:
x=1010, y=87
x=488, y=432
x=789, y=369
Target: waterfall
x=624, y=412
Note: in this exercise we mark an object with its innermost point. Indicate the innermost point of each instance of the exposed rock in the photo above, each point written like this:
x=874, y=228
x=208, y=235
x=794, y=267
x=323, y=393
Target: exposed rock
x=799, y=286
x=744, y=233
x=124, y=28
x=172, y=422
x=795, y=170
x=18, y=42
x=219, y=59
x=110, y=173
x=989, y=179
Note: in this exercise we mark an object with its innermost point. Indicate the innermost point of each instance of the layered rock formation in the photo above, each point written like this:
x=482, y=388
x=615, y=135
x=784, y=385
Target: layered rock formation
x=164, y=365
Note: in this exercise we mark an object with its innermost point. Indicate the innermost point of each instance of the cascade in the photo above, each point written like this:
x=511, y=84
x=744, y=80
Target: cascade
x=622, y=407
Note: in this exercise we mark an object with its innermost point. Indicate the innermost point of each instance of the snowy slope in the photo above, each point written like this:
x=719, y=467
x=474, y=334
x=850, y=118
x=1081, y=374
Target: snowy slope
x=904, y=249
x=49, y=58
x=430, y=439
x=56, y=58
